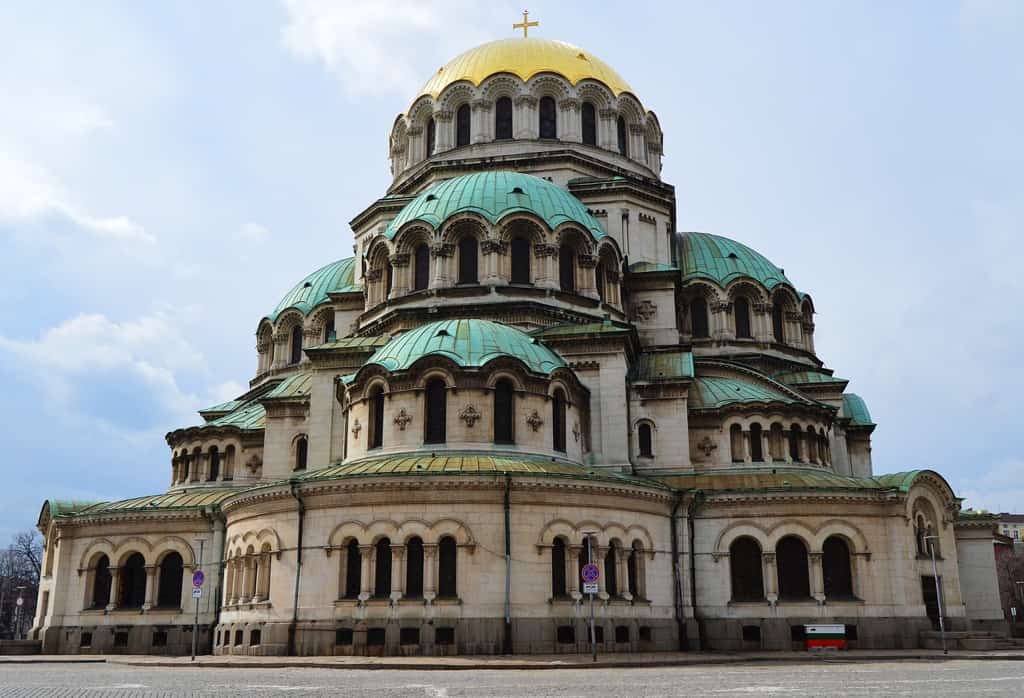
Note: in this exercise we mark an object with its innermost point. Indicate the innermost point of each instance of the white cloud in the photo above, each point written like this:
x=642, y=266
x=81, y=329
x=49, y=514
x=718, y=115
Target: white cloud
x=252, y=232
x=386, y=46
x=228, y=390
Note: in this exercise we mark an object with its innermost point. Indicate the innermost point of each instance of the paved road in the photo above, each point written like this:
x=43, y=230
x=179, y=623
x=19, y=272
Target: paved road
x=955, y=678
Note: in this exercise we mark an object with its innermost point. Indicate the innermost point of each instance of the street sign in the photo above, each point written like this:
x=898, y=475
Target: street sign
x=590, y=573
x=589, y=588
x=196, y=593
x=197, y=578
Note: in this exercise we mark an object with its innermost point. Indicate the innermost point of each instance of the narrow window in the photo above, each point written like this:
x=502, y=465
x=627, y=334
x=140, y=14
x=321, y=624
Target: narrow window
x=447, y=554
x=296, y=356
x=835, y=561
x=699, y=318
x=611, y=581
x=756, y=443
x=741, y=309
x=791, y=561
x=329, y=333
x=414, y=568
x=301, y=448
x=409, y=636
x=421, y=269
x=644, y=437
x=503, y=410
x=558, y=568
x=170, y=581
x=566, y=268
x=184, y=467
x=101, y=583
x=745, y=570
x=621, y=133
x=503, y=119
x=778, y=328
x=382, y=569
x=431, y=134
x=255, y=637
x=794, y=443
x=377, y=417
x=622, y=634
x=468, y=250
x=548, y=118
x=599, y=280
x=353, y=570
x=520, y=261
x=588, y=114
x=389, y=279
x=214, y=464
x=633, y=572
x=462, y=125
x=558, y=421
x=736, y=443
x=133, y=582
x=436, y=402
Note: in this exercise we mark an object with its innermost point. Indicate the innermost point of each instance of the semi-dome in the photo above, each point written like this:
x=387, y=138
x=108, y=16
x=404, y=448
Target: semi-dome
x=706, y=256
x=469, y=343
x=524, y=57
x=494, y=195
x=336, y=277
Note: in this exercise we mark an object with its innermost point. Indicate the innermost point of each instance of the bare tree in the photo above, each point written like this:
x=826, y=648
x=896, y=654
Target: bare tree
x=20, y=565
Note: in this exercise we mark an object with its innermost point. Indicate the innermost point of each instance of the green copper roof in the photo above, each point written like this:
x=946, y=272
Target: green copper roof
x=251, y=416
x=336, y=277
x=62, y=507
x=493, y=195
x=713, y=392
x=183, y=500
x=648, y=267
x=653, y=366
x=807, y=378
x=353, y=344
x=794, y=479
x=855, y=408
x=721, y=260
x=222, y=407
x=469, y=343
x=296, y=385
x=572, y=329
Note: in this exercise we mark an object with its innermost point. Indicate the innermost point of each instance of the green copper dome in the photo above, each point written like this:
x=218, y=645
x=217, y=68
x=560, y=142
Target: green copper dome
x=706, y=256
x=494, y=195
x=469, y=343
x=336, y=277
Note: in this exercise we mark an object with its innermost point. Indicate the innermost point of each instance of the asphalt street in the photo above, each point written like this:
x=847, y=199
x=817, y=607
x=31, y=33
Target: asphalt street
x=821, y=678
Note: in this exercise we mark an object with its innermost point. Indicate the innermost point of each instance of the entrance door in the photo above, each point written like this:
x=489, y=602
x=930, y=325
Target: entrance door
x=931, y=599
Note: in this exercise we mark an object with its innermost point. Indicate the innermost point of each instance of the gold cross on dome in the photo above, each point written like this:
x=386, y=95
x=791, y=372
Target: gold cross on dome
x=526, y=23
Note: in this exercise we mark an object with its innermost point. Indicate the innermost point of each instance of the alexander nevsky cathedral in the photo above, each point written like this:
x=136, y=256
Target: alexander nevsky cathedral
x=522, y=367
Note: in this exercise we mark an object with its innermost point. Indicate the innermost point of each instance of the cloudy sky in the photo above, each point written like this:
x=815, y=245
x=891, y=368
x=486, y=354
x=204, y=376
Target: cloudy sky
x=169, y=170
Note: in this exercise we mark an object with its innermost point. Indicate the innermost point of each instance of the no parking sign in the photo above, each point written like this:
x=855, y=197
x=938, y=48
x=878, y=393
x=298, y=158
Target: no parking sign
x=590, y=573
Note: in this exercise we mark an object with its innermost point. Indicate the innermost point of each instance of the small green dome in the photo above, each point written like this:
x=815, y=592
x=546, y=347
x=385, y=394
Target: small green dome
x=336, y=277
x=469, y=343
x=493, y=195
x=706, y=256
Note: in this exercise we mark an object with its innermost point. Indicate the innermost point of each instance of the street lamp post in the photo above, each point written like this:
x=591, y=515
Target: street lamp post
x=19, y=611
x=938, y=592
x=593, y=639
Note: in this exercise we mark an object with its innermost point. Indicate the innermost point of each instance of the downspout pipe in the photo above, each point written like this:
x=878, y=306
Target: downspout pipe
x=301, y=509
x=696, y=499
x=508, y=564
x=677, y=591
x=220, y=530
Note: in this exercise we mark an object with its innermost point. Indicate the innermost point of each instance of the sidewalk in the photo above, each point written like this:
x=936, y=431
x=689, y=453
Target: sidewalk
x=524, y=662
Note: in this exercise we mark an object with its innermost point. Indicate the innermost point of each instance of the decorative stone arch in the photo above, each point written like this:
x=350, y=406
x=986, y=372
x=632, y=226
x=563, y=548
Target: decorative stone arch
x=318, y=318
x=554, y=529
x=630, y=109
x=628, y=534
x=549, y=85
x=286, y=321
x=344, y=532
x=573, y=234
x=412, y=234
x=434, y=366
x=595, y=92
x=132, y=544
x=265, y=536
x=373, y=381
x=455, y=95
x=851, y=534
x=522, y=224
x=740, y=529
x=100, y=546
x=635, y=433
x=507, y=368
x=411, y=528
x=383, y=528
x=174, y=544
x=455, y=528
x=500, y=85
x=790, y=527
x=745, y=286
x=421, y=111
x=464, y=223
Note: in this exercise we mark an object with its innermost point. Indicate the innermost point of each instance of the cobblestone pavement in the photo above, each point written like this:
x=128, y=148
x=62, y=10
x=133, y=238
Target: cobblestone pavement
x=952, y=678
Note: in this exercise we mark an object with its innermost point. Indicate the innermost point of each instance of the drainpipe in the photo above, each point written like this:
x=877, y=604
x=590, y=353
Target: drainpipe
x=301, y=508
x=508, y=564
x=220, y=533
x=691, y=513
x=677, y=591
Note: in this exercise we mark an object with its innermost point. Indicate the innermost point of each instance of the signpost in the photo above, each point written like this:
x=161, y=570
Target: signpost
x=197, y=592
x=590, y=574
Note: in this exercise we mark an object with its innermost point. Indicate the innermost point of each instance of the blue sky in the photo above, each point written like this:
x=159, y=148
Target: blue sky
x=169, y=170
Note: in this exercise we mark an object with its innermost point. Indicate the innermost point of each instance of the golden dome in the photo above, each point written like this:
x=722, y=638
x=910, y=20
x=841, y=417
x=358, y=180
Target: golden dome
x=524, y=57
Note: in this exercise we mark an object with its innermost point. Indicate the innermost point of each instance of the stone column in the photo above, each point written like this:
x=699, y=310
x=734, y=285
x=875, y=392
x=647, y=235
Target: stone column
x=416, y=149
x=400, y=282
x=622, y=573
x=545, y=257
x=587, y=282
x=747, y=458
x=569, y=121
x=366, y=551
x=150, y=587
x=261, y=573
x=572, y=575
x=786, y=436
x=635, y=134
x=115, y=588
x=479, y=123
x=443, y=131
x=524, y=118
x=607, y=129
x=768, y=573
x=817, y=576
x=229, y=580
x=397, y=566
x=766, y=445
x=280, y=350
x=802, y=446
x=441, y=254
x=429, y=572
x=493, y=251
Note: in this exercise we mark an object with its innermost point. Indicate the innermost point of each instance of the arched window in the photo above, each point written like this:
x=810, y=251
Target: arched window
x=382, y=569
x=812, y=445
x=296, y=356
x=634, y=570
x=835, y=564
x=132, y=582
x=301, y=451
x=329, y=332
x=504, y=399
x=171, y=568
x=794, y=442
x=778, y=326
x=389, y=279
x=414, y=568
x=620, y=130
x=431, y=136
x=468, y=250
x=791, y=561
x=548, y=118
x=558, y=568
x=520, y=261
x=699, y=318
x=101, y=583
x=503, y=119
x=462, y=125
x=736, y=443
x=645, y=440
x=756, y=443
x=611, y=580
x=353, y=570
x=589, y=117
x=184, y=467
x=214, y=464
x=447, y=554
x=745, y=570
x=437, y=408
x=421, y=267
x=376, y=417
x=741, y=311
x=599, y=280
x=566, y=268
x=558, y=421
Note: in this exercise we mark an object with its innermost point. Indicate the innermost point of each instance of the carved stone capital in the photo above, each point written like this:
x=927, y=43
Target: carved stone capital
x=608, y=114
x=545, y=249
x=415, y=131
x=636, y=128
x=443, y=116
x=527, y=100
x=490, y=246
x=373, y=275
x=481, y=105
x=569, y=104
x=442, y=249
x=587, y=261
x=399, y=259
